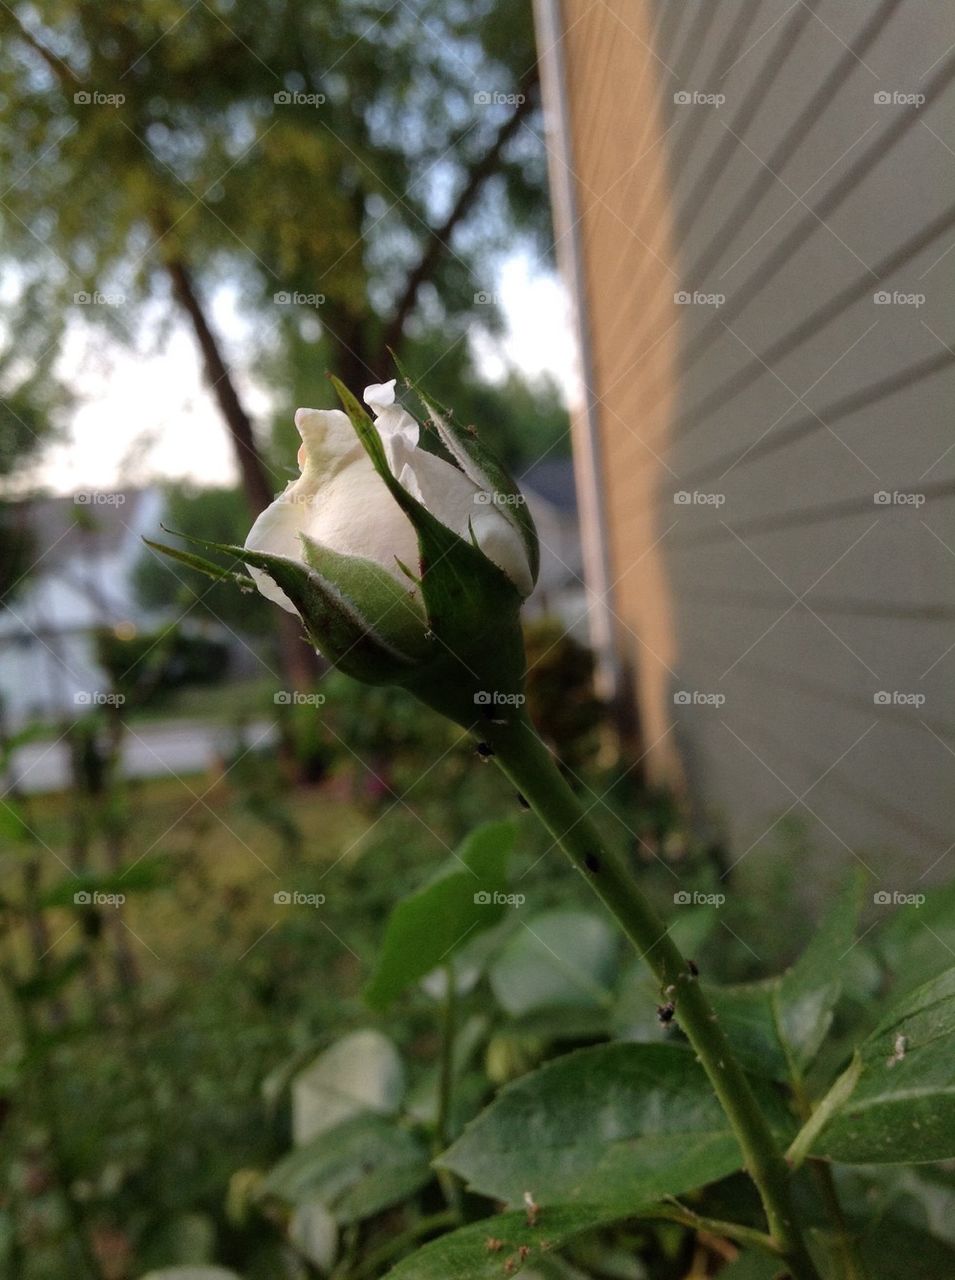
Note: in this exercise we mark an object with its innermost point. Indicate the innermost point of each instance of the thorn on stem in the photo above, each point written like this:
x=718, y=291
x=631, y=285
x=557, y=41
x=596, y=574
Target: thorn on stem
x=899, y=1050
x=533, y=1209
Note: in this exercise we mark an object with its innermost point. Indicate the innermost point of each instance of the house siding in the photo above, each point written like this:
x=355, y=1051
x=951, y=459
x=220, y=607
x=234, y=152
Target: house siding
x=782, y=586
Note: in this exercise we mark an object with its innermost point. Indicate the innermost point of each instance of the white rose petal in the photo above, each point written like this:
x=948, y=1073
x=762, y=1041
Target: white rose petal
x=340, y=501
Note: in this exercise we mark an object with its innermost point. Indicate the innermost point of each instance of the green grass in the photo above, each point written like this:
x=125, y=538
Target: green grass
x=216, y=703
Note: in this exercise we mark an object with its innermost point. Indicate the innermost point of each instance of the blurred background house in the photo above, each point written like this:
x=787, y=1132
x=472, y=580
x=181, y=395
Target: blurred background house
x=87, y=546
x=754, y=209
x=92, y=578
x=560, y=593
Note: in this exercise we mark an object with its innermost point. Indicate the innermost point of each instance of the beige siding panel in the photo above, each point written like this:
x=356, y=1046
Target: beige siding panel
x=784, y=410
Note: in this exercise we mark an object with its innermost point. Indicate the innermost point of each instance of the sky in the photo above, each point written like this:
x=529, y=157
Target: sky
x=142, y=417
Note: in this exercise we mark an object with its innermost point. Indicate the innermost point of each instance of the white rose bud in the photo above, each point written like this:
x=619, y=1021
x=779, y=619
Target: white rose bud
x=340, y=501
x=405, y=567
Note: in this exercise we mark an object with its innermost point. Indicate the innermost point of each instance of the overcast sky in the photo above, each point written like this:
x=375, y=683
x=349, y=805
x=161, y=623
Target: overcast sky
x=143, y=417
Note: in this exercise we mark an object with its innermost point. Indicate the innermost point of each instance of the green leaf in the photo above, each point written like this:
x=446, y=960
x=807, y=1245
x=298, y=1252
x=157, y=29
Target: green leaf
x=482, y=1250
x=777, y=1026
x=561, y=958
x=902, y=1107
x=902, y=1218
x=428, y=927
x=471, y=961
x=747, y=1016
x=895, y=1250
x=362, y=1072
x=619, y=1124
x=917, y=942
x=807, y=993
x=355, y=1169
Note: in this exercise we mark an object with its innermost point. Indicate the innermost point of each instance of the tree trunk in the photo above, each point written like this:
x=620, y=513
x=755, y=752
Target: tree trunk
x=436, y=244
x=297, y=659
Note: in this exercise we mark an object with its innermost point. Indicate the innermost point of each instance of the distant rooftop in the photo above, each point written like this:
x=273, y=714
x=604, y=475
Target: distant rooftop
x=97, y=526
x=553, y=480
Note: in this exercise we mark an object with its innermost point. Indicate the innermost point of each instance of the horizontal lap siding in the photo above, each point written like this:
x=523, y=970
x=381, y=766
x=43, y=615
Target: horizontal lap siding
x=783, y=585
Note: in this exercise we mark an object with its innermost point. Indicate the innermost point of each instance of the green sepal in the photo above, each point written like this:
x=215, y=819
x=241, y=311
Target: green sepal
x=485, y=470
x=472, y=606
x=335, y=624
x=391, y=609
x=208, y=567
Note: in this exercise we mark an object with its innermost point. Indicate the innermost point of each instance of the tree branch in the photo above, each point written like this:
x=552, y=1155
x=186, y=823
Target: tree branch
x=298, y=661
x=254, y=478
x=478, y=174
x=56, y=64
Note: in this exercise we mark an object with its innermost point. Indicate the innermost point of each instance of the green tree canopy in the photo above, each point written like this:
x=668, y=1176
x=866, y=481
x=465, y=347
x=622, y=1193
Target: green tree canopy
x=293, y=150
x=351, y=173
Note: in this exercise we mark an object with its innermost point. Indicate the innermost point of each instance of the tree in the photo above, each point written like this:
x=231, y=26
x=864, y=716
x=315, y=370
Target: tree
x=29, y=396
x=367, y=163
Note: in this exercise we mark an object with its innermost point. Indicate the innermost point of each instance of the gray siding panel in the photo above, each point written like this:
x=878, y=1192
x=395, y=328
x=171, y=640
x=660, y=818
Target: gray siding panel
x=802, y=199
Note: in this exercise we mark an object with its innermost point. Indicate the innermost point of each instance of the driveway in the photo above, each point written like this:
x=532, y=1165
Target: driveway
x=149, y=751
